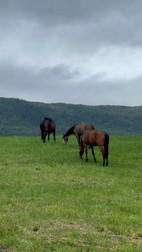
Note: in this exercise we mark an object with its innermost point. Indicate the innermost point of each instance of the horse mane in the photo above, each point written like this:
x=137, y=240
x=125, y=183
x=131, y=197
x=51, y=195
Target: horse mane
x=70, y=131
x=92, y=126
x=48, y=119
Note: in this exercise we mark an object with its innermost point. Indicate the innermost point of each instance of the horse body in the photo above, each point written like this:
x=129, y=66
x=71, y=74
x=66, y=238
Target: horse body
x=77, y=130
x=95, y=138
x=47, y=126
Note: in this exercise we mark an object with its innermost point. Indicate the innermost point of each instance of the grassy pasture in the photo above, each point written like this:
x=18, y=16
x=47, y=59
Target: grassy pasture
x=50, y=200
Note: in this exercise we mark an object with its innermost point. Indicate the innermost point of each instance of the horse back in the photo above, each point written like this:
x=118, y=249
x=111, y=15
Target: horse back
x=94, y=137
x=52, y=126
x=49, y=126
x=79, y=129
x=100, y=137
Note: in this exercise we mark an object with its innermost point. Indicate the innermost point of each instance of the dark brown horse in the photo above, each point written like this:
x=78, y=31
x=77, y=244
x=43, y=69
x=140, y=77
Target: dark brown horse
x=47, y=126
x=77, y=130
x=95, y=138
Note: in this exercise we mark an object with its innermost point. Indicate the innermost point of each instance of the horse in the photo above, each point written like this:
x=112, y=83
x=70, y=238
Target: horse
x=92, y=138
x=77, y=130
x=47, y=126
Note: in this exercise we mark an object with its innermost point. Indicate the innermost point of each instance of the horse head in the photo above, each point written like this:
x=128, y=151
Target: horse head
x=65, y=139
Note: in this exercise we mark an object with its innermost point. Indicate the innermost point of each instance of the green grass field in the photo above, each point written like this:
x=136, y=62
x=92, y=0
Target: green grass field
x=51, y=200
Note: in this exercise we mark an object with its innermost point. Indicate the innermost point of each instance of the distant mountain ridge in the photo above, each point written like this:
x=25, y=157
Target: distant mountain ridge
x=22, y=118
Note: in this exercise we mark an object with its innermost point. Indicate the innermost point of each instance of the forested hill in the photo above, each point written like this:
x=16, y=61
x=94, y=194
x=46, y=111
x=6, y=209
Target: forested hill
x=19, y=117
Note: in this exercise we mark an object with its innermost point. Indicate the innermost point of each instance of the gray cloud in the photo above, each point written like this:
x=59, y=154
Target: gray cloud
x=57, y=74
x=71, y=51
x=54, y=85
x=76, y=21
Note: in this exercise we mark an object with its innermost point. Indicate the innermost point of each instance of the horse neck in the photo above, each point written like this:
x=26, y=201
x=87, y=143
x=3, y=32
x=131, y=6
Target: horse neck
x=70, y=131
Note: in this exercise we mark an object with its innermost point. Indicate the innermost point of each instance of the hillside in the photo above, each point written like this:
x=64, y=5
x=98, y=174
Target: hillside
x=19, y=117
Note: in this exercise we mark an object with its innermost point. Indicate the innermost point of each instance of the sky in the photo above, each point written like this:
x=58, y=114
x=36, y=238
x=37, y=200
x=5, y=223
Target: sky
x=71, y=51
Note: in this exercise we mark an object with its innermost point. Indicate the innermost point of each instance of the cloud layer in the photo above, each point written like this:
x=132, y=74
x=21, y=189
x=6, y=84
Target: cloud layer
x=86, y=52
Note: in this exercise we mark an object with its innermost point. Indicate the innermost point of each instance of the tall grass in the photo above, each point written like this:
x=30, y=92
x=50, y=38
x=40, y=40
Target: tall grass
x=51, y=200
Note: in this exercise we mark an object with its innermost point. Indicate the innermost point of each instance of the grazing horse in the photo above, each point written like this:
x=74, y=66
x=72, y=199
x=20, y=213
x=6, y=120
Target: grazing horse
x=77, y=130
x=47, y=126
x=95, y=138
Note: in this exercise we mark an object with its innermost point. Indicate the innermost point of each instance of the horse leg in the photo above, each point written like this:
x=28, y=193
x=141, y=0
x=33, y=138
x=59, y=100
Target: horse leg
x=54, y=136
x=48, y=137
x=93, y=153
x=78, y=139
x=104, y=157
x=44, y=138
x=107, y=161
x=103, y=154
x=86, y=152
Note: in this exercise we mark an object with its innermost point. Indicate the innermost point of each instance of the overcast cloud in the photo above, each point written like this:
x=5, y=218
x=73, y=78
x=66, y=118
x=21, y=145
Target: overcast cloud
x=79, y=51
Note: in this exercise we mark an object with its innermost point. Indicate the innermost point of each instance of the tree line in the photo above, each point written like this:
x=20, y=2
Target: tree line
x=22, y=118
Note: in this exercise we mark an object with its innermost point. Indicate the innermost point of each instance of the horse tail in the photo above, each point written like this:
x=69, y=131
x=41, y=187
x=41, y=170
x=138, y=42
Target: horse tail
x=42, y=130
x=106, y=144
